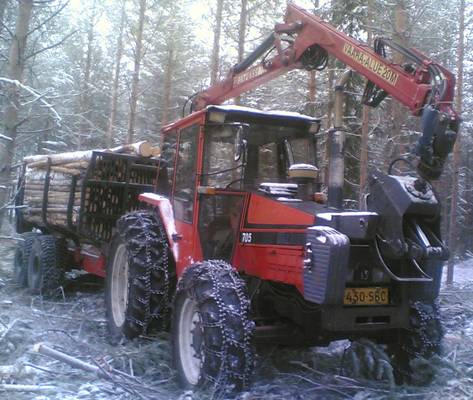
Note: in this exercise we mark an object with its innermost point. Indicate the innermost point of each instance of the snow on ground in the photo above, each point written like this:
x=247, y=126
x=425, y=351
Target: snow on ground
x=463, y=273
x=75, y=324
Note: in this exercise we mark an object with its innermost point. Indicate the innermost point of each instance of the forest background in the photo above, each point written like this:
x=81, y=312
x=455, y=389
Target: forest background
x=84, y=74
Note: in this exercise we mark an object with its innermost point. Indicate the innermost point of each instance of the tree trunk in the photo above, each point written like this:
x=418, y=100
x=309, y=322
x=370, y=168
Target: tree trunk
x=16, y=64
x=365, y=121
x=242, y=36
x=398, y=112
x=453, y=232
x=116, y=78
x=214, y=62
x=136, y=73
x=84, y=98
x=167, y=87
x=311, y=93
x=330, y=100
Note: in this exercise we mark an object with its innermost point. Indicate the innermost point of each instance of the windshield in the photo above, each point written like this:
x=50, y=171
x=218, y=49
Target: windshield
x=270, y=150
x=273, y=149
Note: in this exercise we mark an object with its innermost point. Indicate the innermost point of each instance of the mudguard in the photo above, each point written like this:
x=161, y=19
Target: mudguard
x=164, y=209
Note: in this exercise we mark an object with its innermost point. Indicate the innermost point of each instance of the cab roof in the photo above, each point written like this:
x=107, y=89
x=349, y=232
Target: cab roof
x=235, y=112
x=239, y=110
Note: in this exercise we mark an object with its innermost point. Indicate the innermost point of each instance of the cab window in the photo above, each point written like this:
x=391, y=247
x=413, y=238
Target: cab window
x=186, y=172
x=168, y=156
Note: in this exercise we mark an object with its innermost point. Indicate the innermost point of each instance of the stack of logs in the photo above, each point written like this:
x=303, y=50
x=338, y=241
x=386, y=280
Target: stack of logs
x=63, y=167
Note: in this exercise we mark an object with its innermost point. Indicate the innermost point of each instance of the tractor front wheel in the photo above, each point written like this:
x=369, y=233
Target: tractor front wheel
x=211, y=329
x=421, y=341
x=140, y=277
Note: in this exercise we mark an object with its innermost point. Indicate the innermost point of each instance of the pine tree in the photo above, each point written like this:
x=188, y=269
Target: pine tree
x=11, y=121
x=452, y=237
x=138, y=54
x=116, y=75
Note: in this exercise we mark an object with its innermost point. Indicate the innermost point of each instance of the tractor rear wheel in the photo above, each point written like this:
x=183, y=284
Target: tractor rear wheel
x=46, y=264
x=140, y=279
x=211, y=329
x=22, y=255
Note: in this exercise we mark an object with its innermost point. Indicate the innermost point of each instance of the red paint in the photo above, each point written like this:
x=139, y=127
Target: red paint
x=262, y=210
x=269, y=262
x=94, y=264
x=184, y=122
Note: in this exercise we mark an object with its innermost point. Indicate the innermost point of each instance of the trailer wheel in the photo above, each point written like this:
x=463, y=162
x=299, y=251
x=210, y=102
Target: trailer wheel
x=140, y=278
x=211, y=329
x=423, y=339
x=46, y=264
x=22, y=255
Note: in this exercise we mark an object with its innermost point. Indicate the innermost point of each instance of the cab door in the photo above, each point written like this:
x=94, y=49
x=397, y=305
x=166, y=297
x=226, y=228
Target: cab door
x=184, y=194
x=222, y=198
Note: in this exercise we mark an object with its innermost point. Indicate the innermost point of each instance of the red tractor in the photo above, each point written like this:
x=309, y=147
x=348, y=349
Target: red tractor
x=236, y=244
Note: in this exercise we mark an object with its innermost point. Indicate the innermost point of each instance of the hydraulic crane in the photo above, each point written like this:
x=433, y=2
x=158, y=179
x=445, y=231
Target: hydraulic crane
x=305, y=41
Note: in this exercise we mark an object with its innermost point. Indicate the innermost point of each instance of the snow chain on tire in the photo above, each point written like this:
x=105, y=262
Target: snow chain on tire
x=425, y=332
x=46, y=265
x=423, y=339
x=223, y=306
x=151, y=280
x=22, y=255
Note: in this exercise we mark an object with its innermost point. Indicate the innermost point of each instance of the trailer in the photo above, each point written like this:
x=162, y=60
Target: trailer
x=67, y=215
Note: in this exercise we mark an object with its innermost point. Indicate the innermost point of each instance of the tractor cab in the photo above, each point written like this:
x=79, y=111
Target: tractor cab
x=215, y=159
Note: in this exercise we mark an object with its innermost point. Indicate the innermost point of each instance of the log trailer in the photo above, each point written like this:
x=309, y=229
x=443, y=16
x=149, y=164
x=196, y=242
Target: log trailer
x=235, y=245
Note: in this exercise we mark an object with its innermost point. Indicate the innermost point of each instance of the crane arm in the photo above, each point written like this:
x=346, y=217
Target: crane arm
x=305, y=41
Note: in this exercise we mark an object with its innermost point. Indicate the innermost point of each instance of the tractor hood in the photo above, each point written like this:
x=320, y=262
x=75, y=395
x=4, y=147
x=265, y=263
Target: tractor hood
x=285, y=213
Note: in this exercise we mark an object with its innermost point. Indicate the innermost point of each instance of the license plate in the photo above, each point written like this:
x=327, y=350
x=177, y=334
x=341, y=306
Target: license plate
x=371, y=296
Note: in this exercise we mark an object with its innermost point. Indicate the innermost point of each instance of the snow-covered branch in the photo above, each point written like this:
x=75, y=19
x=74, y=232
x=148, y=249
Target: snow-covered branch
x=38, y=96
x=42, y=50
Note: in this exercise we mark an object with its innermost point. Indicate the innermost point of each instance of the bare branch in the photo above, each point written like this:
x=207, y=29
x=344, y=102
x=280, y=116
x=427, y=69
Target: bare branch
x=52, y=46
x=36, y=131
x=7, y=28
x=54, y=14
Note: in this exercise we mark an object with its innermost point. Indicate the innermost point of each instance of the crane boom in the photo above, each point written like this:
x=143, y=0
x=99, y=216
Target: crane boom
x=305, y=41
